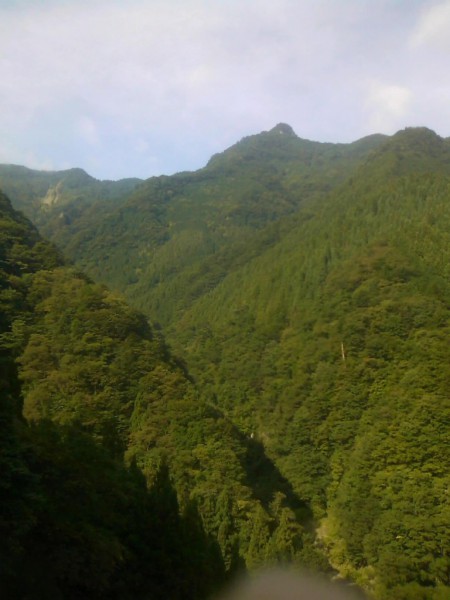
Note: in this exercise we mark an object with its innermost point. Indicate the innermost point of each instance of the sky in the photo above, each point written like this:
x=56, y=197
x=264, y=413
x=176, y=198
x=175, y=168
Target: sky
x=136, y=88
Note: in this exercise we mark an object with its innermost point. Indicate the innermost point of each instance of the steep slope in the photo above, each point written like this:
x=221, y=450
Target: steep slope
x=98, y=383
x=74, y=520
x=184, y=233
x=312, y=309
x=331, y=347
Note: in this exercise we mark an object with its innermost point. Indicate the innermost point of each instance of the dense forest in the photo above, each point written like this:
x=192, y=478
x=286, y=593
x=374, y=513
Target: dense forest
x=300, y=410
x=182, y=234
x=118, y=478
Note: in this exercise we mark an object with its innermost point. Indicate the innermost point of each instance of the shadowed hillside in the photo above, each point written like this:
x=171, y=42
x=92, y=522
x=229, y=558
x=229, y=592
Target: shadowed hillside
x=118, y=478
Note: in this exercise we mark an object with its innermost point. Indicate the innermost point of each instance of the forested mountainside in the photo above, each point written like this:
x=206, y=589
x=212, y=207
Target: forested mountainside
x=174, y=238
x=332, y=346
x=118, y=479
x=307, y=289
x=55, y=199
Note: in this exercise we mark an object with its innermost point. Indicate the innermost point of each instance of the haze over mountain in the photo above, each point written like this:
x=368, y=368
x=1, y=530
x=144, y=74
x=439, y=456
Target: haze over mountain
x=305, y=288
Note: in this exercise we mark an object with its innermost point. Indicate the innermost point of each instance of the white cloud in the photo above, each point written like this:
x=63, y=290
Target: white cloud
x=88, y=130
x=433, y=27
x=83, y=80
x=387, y=106
x=141, y=146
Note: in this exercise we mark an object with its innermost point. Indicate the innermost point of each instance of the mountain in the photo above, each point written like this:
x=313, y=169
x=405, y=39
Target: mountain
x=331, y=346
x=57, y=200
x=94, y=409
x=38, y=193
x=184, y=233
x=306, y=288
x=75, y=520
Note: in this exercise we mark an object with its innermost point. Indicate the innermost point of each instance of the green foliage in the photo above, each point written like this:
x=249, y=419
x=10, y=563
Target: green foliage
x=332, y=345
x=42, y=194
x=183, y=233
x=96, y=532
x=97, y=382
x=74, y=520
x=306, y=288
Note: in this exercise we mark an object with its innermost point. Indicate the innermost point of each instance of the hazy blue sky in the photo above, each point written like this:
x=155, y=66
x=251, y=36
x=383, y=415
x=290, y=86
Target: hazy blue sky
x=144, y=87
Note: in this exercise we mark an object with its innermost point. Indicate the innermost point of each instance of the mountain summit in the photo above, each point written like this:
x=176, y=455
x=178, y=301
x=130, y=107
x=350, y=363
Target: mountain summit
x=190, y=226
x=283, y=128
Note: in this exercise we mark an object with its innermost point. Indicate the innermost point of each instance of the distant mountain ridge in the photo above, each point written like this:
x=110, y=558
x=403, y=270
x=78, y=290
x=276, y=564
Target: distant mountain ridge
x=44, y=194
x=75, y=179
x=177, y=229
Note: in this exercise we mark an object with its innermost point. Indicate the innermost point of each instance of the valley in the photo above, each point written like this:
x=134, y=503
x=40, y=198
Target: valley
x=266, y=369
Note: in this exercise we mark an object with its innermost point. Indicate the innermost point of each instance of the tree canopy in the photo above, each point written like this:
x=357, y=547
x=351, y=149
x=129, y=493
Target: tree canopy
x=301, y=413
